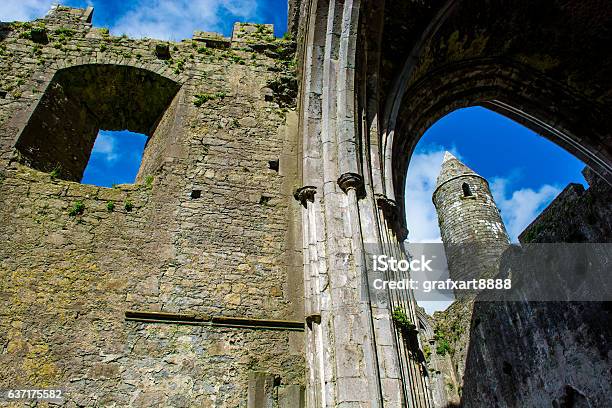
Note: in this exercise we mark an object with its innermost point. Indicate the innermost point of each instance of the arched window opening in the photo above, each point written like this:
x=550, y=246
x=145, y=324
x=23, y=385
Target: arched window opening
x=517, y=171
x=70, y=125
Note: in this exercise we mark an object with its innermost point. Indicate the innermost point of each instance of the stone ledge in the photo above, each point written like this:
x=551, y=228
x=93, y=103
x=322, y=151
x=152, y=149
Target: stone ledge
x=222, y=321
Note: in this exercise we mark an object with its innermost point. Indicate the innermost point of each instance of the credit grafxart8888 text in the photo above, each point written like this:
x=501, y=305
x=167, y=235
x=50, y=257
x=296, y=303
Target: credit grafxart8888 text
x=442, y=285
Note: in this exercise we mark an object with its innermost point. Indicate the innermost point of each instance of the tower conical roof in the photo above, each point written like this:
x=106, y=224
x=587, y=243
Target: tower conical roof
x=451, y=168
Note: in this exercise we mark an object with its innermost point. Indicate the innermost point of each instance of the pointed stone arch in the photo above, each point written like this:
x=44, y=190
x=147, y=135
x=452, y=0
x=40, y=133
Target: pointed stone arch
x=416, y=62
x=509, y=88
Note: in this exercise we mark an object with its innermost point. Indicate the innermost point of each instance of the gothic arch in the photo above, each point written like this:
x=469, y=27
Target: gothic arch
x=509, y=88
x=375, y=76
x=514, y=59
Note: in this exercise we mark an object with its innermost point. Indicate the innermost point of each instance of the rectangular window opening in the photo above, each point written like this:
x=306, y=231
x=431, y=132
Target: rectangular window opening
x=115, y=158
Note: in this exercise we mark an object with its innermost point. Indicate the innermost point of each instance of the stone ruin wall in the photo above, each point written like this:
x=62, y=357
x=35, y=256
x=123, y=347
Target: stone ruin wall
x=532, y=353
x=71, y=265
x=575, y=215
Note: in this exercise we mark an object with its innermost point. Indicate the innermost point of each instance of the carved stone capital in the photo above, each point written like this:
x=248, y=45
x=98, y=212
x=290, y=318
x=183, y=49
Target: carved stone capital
x=348, y=181
x=388, y=206
x=391, y=212
x=305, y=194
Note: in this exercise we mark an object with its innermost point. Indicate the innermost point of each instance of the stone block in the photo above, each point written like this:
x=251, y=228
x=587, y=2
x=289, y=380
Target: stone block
x=291, y=396
x=211, y=40
x=261, y=390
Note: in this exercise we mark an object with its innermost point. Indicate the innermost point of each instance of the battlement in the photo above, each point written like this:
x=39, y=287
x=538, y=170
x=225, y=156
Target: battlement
x=244, y=34
x=249, y=33
x=70, y=15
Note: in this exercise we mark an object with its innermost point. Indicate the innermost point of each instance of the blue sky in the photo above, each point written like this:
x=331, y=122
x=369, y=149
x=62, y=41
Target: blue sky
x=115, y=158
x=525, y=171
x=161, y=19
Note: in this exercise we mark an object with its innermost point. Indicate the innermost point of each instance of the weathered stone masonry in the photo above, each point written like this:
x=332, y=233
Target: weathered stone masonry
x=211, y=230
x=471, y=226
x=374, y=75
x=532, y=353
x=206, y=230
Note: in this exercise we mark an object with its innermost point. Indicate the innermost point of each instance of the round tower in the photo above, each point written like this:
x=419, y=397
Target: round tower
x=471, y=226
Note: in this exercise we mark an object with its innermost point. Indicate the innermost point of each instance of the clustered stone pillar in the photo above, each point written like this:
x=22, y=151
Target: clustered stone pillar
x=353, y=350
x=355, y=355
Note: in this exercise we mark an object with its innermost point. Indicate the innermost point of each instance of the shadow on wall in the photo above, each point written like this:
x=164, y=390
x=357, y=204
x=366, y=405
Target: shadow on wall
x=538, y=354
x=550, y=349
x=546, y=342
x=5, y=29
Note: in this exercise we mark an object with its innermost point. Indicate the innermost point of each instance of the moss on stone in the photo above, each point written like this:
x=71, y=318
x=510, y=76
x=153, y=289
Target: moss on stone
x=39, y=367
x=458, y=47
x=541, y=62
x=149, y=181
x=427, y=351
x=202, y=98
x=128, y=205
x=77, y=209
x=55, y=173
x=67, y=32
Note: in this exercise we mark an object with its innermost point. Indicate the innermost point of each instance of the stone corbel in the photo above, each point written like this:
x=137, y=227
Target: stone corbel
x=391, y=213
x=348, y=181
x=314, y=318
x=388, y=207
x=305, y=194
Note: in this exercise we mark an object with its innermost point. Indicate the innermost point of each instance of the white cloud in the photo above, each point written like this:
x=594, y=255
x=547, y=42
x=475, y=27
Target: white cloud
x=421, y=217
x=520, y=207
x=105, y=147
x=24, y=10
x=160, y=19
x=178, y=19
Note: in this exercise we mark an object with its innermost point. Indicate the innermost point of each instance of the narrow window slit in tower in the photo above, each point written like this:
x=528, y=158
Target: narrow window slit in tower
x=196, y=193
x=466, y=190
